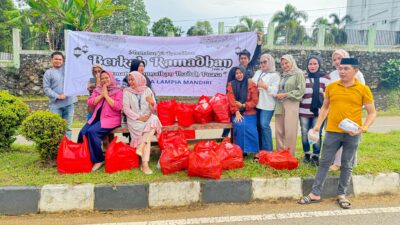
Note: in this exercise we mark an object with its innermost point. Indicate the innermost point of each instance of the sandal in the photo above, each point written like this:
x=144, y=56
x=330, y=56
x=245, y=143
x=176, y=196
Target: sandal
x=255, y=159
x=344, y=203
x=305, y=200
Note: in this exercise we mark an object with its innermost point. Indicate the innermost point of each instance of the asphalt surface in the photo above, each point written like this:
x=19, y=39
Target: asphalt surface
x=384, y=209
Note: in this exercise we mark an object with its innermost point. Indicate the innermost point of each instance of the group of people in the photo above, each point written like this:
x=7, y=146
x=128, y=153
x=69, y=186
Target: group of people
x=106, y=103
x=312, y=98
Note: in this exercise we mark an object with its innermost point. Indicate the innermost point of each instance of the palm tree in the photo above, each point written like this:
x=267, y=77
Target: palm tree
x=247, y=24
x=289, y=24
x=201, y=28
x=328, y=35
x=337, y=28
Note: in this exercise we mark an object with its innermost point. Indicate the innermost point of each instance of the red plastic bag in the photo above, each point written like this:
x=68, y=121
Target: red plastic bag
x=282, y=159
x=264, y=157
x=203, y=112
x=120, y=156
x=205, y=146
x=231, y=155
x=203, y=162
x=172, y=138
x=190, y=134
x=174, y=159
x=166, y=112
x=73, y=157
x=220, y=106
x=184, y=114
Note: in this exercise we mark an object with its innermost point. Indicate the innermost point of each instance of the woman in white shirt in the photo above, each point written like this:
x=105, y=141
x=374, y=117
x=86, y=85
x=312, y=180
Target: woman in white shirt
x=337, y=55
x=267, y=81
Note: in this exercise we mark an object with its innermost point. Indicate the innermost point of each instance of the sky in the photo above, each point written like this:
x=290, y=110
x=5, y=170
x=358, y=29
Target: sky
x=185, y=13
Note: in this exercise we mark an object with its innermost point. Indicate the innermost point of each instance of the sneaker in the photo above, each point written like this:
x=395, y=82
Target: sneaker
x=97, y=166
x=315, y=160
x=306, y=158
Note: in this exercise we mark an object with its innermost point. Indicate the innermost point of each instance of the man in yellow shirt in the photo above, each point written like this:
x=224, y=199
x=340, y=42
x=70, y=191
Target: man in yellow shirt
x=343, y=99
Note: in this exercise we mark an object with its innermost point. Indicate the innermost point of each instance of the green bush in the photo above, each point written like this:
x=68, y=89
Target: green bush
x=12, y=112
x=46, y=129
x=390, y=74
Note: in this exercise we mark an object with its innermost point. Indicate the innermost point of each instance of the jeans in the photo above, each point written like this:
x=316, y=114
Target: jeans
x=264, y=129
x=67, y=113
x=332, y=142
x=307, y=124
x=94, y=134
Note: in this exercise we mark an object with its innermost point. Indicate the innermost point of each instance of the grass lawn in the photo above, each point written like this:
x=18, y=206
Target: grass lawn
x=377, y=153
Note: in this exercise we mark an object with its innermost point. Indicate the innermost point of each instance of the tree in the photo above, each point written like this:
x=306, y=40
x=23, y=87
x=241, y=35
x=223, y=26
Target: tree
x=247, y=24
x=53, y=16
x=163, y=26
x=9, y=18
x=289, y=24
x=328, y=35
x=133, y=20
x=337, y=28
x=201, y=28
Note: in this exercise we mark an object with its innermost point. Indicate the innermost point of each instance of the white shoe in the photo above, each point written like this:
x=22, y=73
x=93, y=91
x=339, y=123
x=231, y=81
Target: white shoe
x=97, y=166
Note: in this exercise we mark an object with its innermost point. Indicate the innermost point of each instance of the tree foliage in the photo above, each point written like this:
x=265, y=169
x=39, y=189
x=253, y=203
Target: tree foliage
x=201, y=28
x=335, y=32
x=247, y=24
x=390, y=74
x=9, y=18
x=163, y=26
x=133, y=20
x=289, y=24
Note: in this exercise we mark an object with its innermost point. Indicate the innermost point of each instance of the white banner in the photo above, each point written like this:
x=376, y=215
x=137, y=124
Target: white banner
x=176, y=66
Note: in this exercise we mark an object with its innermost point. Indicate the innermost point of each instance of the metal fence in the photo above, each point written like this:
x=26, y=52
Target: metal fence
x=31, y=40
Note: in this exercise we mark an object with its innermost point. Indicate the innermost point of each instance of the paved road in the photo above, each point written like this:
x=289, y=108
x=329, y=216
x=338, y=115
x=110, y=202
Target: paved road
x=381, y=125
x=366, y=211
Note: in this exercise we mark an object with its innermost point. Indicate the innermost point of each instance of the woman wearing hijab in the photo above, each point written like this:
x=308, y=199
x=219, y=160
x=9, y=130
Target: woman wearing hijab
x=291, y=90
x=337, y=55
x=243, y=98
x=316, y=82
x=107, y=102
x=137, y=65
x=143, y=123
x=92, y=84
x=267, y=81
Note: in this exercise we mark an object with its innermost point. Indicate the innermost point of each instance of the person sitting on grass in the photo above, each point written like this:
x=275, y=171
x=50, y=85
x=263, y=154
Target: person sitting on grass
x=107, y=102
x=344, y=99
x=139, y=106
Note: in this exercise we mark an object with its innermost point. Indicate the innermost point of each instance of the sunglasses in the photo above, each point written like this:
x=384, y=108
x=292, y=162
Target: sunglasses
x=262, y=62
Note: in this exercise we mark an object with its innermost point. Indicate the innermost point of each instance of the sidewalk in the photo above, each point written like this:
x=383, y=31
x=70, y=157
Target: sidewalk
x=381, y=125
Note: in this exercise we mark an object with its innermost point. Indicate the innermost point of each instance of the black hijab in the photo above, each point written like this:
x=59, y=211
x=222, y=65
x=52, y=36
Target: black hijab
x=317, y=99
x=240, y=88
x=135, y=63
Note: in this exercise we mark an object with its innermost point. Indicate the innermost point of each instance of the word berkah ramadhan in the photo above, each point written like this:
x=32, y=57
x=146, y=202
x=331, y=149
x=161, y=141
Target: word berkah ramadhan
x=197, y=61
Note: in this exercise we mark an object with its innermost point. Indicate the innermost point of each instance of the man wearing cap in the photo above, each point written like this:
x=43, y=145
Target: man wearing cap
x=343, y=99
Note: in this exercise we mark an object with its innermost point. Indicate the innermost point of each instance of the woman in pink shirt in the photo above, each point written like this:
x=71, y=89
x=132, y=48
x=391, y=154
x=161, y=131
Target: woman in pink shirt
x=107, y=102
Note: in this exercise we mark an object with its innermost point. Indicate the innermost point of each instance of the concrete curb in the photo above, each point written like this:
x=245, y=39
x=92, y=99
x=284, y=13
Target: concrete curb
x=174, y=194
x=63, y=197
x=264, y=189
x=382, y=183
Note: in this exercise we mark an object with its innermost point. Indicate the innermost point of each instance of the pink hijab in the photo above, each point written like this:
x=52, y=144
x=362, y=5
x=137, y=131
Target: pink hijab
x=140, y=81
x=112, y=88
